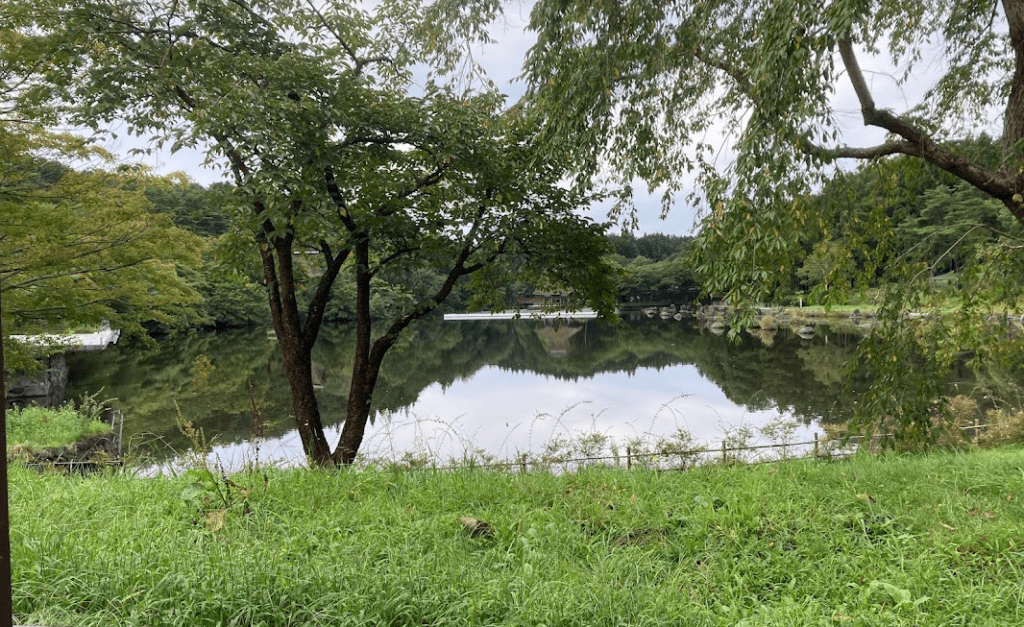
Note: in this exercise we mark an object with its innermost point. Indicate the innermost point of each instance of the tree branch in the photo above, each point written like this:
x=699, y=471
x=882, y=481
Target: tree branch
x=318, y=304
x=914, y=140
x=996, y=184
x=339, y=201
x=70, y=273
x=360, y=62
x=432, y=178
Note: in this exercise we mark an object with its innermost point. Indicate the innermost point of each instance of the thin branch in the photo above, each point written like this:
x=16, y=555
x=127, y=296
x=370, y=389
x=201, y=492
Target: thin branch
x=432, y=178
x=60, y=275
x=360, y=62
x=40, y=310
x=380, y=265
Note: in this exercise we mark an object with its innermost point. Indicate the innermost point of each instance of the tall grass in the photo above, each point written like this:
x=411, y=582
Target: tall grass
x=923, y=540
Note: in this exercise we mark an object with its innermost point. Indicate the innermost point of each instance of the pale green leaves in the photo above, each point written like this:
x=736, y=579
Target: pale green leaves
x=80, y=247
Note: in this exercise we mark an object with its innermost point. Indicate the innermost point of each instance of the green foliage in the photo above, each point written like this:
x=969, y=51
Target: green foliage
x=334, y=150
x=231, y=300
x=653, y=246
x=653, y=268
x=37, y=427
x=637, y=90
x=668, y=281
x=201, y=210
x=953, y=225
x=80, y=247
x=901, y=541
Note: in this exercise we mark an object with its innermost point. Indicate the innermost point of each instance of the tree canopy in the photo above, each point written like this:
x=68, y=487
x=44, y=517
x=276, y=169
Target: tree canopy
x=638, y=91
x=338, y=156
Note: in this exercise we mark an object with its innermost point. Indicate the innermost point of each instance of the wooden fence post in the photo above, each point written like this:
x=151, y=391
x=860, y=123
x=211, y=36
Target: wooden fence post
x=724, y=457
x=629, y=458
x=815, y=445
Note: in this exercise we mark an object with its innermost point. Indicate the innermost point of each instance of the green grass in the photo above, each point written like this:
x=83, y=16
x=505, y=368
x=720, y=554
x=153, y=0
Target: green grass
x=35, y=427
x=899, y=540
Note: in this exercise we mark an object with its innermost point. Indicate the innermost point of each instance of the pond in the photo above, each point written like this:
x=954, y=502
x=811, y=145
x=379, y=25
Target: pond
x=501, y=388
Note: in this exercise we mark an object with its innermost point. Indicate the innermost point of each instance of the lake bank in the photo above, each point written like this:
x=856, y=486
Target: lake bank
x=929, y=540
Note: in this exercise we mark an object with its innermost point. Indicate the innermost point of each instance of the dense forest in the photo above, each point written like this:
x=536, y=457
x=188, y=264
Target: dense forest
x=650, y=268
x=898, y=207
x=228, y=286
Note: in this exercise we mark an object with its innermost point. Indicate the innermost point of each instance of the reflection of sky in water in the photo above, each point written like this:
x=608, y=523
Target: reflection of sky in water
x=505, y=413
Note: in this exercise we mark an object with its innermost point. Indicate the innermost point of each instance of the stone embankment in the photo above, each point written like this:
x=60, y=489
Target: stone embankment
x=769, y=319
x=95, y=449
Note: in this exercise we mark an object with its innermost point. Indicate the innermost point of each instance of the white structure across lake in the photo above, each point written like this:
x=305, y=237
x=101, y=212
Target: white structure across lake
x=74, y=342
x=585, y=314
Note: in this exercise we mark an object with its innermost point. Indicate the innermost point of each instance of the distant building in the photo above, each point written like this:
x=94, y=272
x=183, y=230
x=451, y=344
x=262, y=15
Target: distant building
x=542, y=300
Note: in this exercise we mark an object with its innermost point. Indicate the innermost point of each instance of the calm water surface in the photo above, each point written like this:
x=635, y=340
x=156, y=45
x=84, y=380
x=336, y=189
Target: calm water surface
x=503, y=387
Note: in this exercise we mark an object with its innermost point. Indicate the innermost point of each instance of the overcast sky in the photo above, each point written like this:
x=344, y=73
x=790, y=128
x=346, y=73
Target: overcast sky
x=503, y=62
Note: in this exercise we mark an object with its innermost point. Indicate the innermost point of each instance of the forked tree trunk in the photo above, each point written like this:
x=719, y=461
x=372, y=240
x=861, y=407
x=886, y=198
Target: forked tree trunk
x=370, y=355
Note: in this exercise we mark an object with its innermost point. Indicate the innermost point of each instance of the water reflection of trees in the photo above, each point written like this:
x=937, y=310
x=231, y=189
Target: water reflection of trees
x=154, y=384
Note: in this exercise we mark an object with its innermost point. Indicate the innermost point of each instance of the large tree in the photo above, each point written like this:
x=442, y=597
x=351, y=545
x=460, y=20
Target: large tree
x=640, y=89
x=346, y=146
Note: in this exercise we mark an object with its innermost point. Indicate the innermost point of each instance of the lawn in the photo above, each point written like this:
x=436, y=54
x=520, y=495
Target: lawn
x=924, y=540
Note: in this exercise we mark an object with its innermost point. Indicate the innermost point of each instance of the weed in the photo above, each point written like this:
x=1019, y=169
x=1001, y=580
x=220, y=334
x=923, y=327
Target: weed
x=196, y=457
x=782, y=432
x=257, y=427
x=736, y=441
x=90, y=407
x=680, y=449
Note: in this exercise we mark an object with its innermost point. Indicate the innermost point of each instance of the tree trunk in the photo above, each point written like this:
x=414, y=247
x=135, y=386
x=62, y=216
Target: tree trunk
x=1013, y=120
x=296, y=350
x=298, y=369
x=6, y=613
x=368, y=359
x=360, y=394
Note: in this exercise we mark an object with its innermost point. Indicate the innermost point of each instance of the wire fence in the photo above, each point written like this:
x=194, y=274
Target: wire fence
x=678, y=459
x=658, y=454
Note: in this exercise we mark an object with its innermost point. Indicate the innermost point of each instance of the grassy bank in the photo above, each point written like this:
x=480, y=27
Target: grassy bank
x=37, y=427
x=925, y=540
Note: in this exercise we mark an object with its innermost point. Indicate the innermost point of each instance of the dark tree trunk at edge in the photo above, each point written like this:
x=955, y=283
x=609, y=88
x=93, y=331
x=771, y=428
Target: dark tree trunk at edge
x=360, y=394
x=6, y=600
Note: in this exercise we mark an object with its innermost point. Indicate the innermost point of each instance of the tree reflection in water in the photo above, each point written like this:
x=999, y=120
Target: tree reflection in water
x=504, y=386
